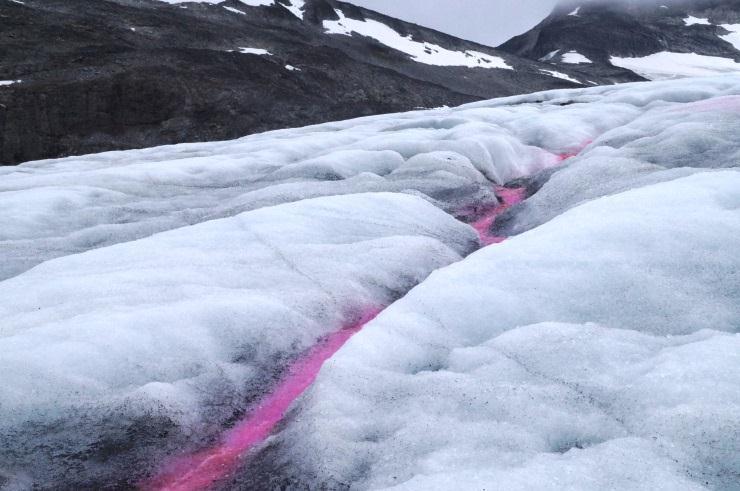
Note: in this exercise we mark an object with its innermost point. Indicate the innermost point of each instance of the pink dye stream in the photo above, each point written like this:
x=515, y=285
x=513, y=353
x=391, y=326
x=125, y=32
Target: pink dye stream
x=509, y=197
x=201, y=470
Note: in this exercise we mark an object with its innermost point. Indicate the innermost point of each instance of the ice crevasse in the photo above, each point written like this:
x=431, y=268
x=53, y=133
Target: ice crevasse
x=153, y=299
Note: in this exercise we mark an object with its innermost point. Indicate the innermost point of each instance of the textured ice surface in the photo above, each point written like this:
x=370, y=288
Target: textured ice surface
x=660, y=145
x=150, y=298
x=60, y=207
x=594, y=352
x=184, y=325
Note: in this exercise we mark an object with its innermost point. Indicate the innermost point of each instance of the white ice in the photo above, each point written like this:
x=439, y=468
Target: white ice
x=660, y=145
x=598, y=351
x=184, y=325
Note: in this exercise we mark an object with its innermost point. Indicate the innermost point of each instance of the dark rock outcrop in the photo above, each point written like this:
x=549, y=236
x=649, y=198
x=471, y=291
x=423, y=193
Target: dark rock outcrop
x=119, y=74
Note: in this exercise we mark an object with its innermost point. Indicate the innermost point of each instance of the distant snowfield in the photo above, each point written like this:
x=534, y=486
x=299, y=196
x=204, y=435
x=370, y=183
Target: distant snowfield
x=668, y=65
x=562, y=75
x=254, y=51
x=692, y=21
x=422, y=52
x=258, y=3
x=734, y=36
x=151, y=298
x=574, y=57
x=294, y=6
x=251, y=3
x=427, y=53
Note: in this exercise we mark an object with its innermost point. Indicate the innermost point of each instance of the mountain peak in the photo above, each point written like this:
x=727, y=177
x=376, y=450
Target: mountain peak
x=634, y=40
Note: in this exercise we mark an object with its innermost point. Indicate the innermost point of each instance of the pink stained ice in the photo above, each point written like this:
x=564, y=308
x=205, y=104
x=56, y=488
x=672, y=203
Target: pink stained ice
x=729, y=103
x=509, y=197
x=201, y=470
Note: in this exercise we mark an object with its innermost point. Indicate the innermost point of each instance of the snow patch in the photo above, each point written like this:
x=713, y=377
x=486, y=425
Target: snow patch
x=549, y=56
x=422, y=52
x=236, y=11
x=575, y=12
x=291, y=68
x=574, y=57
x=668, y=65
x=296, y=7
x=9, y=82
x=258, y=3
x=734, y=36
x=251, y=3
x=191, y=1
x=564, y=76
x=692, y=21
x=253, y=51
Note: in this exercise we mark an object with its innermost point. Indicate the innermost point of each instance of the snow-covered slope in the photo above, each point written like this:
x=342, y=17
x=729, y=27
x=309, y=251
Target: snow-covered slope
x=630, y=39
x=153, y=299
x=117, y=74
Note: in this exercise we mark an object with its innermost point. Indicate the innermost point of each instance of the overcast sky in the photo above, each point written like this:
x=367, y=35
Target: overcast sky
x=487, y=21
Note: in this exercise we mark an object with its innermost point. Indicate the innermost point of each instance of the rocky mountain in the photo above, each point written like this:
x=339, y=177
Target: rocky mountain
x=636, y=40
x=78, y=77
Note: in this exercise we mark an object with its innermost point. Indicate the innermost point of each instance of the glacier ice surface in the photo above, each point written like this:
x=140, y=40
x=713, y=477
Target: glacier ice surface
x=149, y=297
x=597, y=351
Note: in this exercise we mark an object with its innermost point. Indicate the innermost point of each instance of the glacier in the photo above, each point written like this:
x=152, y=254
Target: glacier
x=155, y=300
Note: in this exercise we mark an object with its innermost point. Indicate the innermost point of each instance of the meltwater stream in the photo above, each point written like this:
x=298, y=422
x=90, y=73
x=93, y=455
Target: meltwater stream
x=201, y=470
